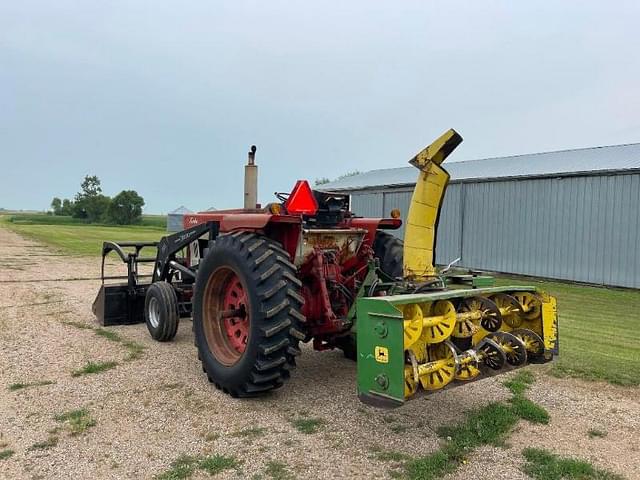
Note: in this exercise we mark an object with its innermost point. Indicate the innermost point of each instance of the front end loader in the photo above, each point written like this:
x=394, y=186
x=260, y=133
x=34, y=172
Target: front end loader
x=258, y=281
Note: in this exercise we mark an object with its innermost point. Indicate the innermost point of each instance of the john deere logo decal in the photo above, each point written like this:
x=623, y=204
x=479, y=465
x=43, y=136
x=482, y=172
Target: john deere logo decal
x=381, y=354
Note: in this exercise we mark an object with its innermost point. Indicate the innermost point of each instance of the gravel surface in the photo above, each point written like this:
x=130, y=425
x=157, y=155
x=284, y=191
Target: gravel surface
x=151, y=410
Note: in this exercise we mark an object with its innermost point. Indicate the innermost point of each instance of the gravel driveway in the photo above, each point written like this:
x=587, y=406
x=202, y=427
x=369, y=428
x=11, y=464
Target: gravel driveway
x=153, y=408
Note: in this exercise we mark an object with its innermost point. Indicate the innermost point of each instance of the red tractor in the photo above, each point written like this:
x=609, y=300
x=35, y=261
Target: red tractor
x=259, y=280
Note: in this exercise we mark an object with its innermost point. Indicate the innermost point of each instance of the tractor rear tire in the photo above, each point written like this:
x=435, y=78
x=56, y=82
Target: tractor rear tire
x=161, y=311
x=349, y=346
x=247, y=314
x=389, y=250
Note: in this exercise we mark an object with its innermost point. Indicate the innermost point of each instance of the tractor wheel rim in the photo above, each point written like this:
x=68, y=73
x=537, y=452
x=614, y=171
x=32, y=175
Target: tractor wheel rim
x=154, y=312
x=226, y=318
x=236, y=326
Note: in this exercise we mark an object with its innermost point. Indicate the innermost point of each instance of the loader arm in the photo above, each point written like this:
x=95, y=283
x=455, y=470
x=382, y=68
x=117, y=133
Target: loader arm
x=424, y=210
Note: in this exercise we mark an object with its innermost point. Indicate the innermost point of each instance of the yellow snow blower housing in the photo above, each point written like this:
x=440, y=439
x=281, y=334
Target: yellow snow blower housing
x=437, y=329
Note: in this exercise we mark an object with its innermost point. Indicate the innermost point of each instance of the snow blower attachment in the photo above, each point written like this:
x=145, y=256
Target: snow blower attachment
x=427, y=341
x=431, y=333
x=258, y=281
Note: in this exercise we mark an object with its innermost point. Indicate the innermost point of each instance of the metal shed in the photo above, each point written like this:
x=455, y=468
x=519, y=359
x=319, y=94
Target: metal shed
x=174, y=219
x=571, y=215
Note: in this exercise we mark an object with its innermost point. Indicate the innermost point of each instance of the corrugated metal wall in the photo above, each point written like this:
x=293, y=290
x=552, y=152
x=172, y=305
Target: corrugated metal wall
x=174, y=222
x=573, y=228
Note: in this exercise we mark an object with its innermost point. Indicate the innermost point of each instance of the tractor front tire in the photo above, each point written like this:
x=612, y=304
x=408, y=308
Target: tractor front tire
x=247, y=314
x=389, y=250
x=161, y=311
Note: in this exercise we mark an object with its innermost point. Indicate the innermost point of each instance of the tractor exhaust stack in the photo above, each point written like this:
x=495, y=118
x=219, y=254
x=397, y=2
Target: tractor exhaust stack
x=251, y=180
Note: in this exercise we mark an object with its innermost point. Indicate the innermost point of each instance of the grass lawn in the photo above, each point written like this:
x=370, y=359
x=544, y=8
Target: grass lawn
x=597, y=331
x=81, y=238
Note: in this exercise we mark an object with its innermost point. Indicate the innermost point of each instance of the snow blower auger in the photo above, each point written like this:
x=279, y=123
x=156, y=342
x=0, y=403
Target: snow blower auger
x=258, y=281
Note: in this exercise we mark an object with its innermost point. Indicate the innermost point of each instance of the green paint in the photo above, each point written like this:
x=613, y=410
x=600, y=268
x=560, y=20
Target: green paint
x=380, y=324
x=452, y=293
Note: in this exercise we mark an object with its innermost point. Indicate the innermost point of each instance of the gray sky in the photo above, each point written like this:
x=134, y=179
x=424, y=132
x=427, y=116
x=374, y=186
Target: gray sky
x=166, y=97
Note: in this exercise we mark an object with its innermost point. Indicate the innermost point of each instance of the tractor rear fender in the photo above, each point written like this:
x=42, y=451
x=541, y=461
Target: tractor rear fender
x=285, y=229
x=371, y=225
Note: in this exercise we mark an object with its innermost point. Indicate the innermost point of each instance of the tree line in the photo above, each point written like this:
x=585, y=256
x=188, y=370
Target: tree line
x=90, y=204
x=323, y=180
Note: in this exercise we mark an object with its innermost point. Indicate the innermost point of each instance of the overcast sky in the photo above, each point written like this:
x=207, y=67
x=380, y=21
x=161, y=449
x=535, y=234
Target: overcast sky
x=166, y=97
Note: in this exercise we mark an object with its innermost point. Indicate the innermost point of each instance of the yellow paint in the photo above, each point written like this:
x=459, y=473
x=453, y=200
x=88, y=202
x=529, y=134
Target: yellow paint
x=439, y=325
x=381, y=354
x=420, y=227
x=410, y=385
x=549, y=322
x=439, y=371
x=412, y=327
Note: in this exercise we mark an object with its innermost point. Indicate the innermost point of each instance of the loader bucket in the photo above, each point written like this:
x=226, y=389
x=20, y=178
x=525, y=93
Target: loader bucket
x=413, y=344
x=114, y=305
x=122, y=303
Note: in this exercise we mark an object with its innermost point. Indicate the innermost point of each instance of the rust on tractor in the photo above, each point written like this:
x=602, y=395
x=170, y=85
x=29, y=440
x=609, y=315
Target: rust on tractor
x=345, y=242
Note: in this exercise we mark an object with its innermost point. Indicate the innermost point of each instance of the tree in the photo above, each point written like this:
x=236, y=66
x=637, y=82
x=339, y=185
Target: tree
x=323, y=180
x=125, y=208
x=89, y=202
x=67, y=207
x=90, y=186
x=56, y=206
x=349, y=174
x=96, y=207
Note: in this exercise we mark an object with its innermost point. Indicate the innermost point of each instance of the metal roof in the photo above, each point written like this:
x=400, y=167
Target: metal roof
x=565, y=162
x=181, y=210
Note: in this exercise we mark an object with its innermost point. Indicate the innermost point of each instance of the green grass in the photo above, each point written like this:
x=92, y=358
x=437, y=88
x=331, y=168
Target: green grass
x=217, y=463
x=596, y=331
x=398, y=428
x=78, y=421
x=276, y=470
x=543, y=465
x=134, y=349
x=94, y=367
x=486, y=426
x=157, y=221
x=185, y=466
x=4, y=454
x=520, y=405
x=429, y=467
x=489, y=425
x=308, y=425
x=181, y=468
x=528, y=410
x=50, y=442
x=108, y=334
x=79, y=325
x=83, y=239
x=595, y=433
x=19, y=386
x=520, y=382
